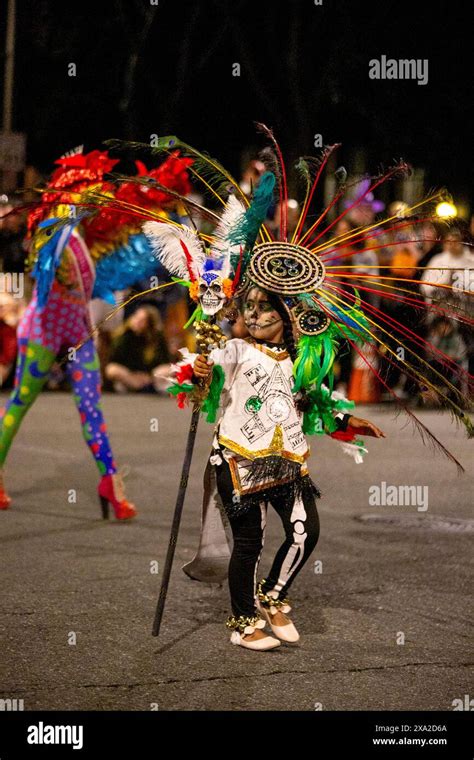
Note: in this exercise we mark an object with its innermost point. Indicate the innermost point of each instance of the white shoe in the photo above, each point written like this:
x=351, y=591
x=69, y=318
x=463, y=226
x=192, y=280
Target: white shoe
x=261, y=645
x=285, y=632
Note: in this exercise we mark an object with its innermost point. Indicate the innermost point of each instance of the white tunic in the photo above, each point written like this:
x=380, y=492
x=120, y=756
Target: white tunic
x=259, y=417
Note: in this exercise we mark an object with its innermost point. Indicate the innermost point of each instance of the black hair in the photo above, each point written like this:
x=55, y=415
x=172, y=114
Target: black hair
x=288, y=335
x=303, y=402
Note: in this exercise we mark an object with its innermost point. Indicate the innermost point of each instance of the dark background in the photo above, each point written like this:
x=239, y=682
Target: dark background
x=144, y=69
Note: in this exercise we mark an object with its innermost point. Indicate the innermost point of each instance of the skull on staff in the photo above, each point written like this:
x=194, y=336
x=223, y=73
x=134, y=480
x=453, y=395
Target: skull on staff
x=211, y=293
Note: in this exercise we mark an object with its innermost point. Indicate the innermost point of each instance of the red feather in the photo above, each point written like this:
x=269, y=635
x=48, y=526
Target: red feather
x=238, y=270
x=189, y=261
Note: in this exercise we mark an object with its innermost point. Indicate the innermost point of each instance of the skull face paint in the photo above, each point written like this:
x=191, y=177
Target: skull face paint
x=211, y=293
x=261, y=319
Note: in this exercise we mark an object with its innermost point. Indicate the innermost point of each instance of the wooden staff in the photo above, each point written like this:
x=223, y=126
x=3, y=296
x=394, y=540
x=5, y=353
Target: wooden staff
x=209, y=336
x=178, y=510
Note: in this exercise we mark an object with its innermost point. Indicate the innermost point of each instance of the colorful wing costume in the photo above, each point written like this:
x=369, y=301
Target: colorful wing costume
x=77, y=252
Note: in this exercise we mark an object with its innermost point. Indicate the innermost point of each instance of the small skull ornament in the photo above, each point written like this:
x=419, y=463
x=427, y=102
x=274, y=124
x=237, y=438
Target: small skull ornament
x=211, y=293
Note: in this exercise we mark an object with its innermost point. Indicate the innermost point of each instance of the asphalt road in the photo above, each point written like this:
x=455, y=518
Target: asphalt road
x=78, y=594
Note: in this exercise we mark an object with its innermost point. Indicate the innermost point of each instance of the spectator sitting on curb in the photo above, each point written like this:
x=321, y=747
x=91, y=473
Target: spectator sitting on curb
x=139, y=359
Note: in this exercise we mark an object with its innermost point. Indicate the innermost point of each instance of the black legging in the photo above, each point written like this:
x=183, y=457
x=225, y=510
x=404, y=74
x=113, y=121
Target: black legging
x=300, y=520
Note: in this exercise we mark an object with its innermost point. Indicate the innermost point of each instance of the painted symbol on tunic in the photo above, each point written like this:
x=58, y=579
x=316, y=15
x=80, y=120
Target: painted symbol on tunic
x=277, y=407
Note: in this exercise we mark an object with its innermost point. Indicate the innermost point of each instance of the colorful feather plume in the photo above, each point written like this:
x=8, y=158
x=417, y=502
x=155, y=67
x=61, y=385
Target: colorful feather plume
x=167, y=242
x=224, y=245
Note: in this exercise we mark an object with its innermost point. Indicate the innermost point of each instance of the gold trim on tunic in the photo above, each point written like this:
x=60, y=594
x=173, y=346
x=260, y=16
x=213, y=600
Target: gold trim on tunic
x=278, y=356
x=269, y=452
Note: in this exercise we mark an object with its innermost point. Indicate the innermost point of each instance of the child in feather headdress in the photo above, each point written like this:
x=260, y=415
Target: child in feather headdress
x=259, y=455
x=271, y=393
x=269, y=398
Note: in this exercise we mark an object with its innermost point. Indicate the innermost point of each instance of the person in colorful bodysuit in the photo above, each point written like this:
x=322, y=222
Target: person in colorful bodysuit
x=57, y=322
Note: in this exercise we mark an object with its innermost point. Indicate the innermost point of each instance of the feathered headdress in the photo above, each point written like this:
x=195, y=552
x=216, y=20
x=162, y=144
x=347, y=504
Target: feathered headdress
x=108, y=212
x=76, y=172
x=192, y=257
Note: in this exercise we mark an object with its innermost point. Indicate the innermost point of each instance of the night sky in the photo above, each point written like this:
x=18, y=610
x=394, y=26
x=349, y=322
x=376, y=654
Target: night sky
x=167, y=69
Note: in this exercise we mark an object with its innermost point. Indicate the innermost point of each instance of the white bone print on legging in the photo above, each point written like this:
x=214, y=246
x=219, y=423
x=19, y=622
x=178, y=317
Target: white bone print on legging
x=296, y=551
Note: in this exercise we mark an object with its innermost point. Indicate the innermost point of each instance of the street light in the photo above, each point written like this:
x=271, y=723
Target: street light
x=446, y=210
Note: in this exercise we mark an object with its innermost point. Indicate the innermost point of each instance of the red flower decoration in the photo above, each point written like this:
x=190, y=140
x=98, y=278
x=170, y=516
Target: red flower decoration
x=184, y=374
x=74, y=174
x=88, y=167
x=172, y=174
x=77, y=375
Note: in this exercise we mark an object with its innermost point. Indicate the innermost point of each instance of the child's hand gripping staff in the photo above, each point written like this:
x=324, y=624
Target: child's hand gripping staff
x=208, y=336
x=202, y=368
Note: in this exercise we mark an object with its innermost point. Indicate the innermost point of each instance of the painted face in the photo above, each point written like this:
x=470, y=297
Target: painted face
x=210, y=293
x=261, y=319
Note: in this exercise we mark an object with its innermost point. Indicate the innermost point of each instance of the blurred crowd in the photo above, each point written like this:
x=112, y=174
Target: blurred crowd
x=137, y=343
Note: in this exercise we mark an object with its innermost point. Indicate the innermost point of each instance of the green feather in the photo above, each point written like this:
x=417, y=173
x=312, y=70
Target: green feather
x=319, y=418
x=316, y=354
x=307, y=364
x=176, y=388
x=467, y=422
x=211, y=402
x=196, y=316
x=245, y=232
x=302, y=167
